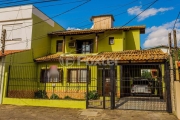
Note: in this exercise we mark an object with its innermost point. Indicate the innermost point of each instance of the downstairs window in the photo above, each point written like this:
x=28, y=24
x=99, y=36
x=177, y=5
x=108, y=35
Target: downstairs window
x=77, y=75
x=51, y=77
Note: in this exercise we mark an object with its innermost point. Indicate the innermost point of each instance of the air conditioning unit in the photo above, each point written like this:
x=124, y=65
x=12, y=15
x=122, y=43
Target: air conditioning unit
x=72, y=44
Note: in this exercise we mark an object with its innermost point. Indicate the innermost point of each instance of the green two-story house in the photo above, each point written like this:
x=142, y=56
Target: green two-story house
x=68, y=48
x=77, y=65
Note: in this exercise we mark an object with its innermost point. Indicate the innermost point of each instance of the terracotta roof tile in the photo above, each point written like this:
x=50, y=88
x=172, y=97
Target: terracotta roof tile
x=53, y=57
x=90, y=31
x=60, y=56
x=129, y=55
x=7, y=52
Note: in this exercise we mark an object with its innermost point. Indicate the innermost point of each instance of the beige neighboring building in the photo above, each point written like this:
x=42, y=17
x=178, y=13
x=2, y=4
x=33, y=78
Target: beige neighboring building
x=164, y=48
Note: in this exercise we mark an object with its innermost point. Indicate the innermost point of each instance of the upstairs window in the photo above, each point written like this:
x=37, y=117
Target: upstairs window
x=84, y=46
x=13, y=32
x=111, y=40
x=59, y=46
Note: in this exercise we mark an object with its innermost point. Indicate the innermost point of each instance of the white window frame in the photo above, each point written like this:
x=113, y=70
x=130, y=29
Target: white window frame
x=12, y=30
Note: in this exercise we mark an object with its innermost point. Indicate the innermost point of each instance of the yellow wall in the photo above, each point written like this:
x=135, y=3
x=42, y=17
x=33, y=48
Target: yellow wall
x=47, y=103
x=103, y=44
x=132, y=40
x=123, y=40
x=41, y=42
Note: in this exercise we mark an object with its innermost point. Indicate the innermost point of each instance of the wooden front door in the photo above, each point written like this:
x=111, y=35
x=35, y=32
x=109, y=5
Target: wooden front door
x=107, y=87
x=104, y=82
x=107, y=82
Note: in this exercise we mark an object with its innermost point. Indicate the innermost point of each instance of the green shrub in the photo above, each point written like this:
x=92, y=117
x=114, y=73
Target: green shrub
x=54, y=96
x=92, y=95
x=41, y=94
x=67, y=97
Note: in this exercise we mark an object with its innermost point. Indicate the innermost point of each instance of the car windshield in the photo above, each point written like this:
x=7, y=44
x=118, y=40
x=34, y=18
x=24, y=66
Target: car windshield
x=140, y=82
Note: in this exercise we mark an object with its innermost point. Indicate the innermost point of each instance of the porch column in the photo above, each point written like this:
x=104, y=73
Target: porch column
x=96, y=44
x=63, y=44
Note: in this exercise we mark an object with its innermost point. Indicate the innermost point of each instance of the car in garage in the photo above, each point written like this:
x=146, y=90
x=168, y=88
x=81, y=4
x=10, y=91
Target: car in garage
x=141, y=86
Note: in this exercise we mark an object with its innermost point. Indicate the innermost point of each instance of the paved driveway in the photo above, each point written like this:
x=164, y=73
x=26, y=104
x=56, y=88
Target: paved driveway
x=142, y=103
x=10, y=112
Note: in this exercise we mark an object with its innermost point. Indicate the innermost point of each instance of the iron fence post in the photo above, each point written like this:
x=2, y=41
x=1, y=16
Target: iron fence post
x=46, y=78
x=112, y=86
x=87, y=86
x=7, y=87
x=167, y=82
x=103, y=81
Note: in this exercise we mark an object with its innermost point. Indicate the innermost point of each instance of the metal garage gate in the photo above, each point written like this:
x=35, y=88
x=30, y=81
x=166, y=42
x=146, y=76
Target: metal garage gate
x=144, y=87
x=129, y=86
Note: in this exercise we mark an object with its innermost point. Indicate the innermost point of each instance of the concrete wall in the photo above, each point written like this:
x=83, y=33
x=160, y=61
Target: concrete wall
x=177, y=98
x=19, y=23
x=15, y=20
x=165, y=50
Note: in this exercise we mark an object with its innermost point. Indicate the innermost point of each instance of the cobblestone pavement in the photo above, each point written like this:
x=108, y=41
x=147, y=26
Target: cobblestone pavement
x=10, y=112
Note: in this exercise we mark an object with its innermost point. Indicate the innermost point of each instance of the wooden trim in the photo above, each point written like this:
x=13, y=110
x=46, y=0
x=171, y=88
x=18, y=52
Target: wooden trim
x=75, y=34
x=57, y=45
x=63, y=47
x=96, y=43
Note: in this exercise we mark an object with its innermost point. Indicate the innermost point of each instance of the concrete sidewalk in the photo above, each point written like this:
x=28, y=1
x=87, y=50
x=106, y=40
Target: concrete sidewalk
x=10, y=112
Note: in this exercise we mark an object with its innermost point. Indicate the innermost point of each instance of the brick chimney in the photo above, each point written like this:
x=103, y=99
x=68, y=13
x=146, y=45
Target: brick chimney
x=102, y=21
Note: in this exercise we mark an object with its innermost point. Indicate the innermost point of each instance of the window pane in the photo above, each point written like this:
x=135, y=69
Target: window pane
x=107, y=75
x=83, y=75
x=59, y=46
x=13, y=32
x=83, y=48
x=73, y=75
x=50, y=76
x=86, y=47
x=53, y=76
x=111, y=41
x=16, y=33
x=42, y=79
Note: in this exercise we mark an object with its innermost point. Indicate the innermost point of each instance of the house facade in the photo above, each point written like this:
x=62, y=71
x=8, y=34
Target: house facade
x=87, y=68
x=70, y=47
